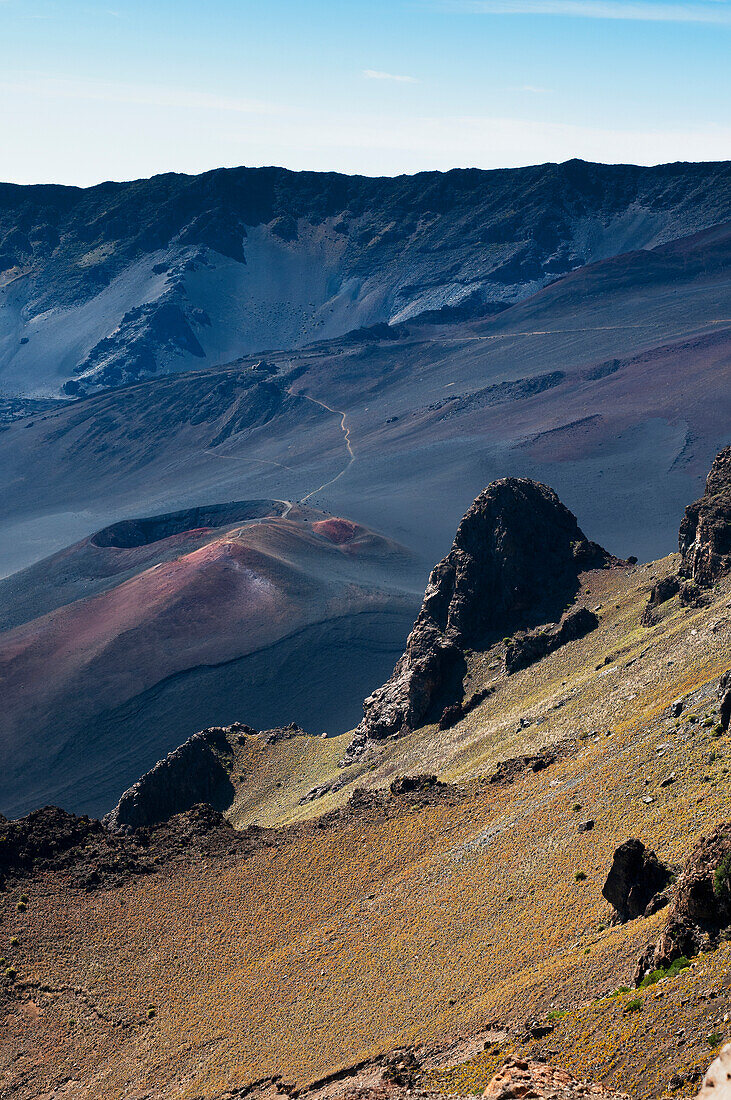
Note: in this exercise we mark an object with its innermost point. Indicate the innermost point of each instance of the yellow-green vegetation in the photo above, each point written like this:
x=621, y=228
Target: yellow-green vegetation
x=337, y=941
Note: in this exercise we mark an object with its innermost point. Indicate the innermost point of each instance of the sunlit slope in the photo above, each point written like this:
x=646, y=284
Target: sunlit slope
x=399, y=918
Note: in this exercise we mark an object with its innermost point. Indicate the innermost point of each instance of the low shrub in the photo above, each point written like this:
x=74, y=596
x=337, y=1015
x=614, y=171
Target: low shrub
x=635, y=1005
x=580, y=876
x=665, y=972
x=722, y=878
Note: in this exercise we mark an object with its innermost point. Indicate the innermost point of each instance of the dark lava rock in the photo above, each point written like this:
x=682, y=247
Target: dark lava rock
x=691, y=595
x=507, y=771
x=51, y=839
x=705, y=531
x=193, y=773
x=319, y=792
x=514, y=563
x=586, y=826
x=90, y=856
x=42, y=838
x=661, y=592
x=196, y=772
x=408, y=784
x=701, y=910
x=529, y=648
x=457, y=711
x=538, y=1029
x=635, y=878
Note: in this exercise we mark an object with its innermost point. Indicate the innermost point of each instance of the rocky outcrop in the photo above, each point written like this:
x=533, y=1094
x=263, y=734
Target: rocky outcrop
x=90, y=856
x=411, y=784
x=705, y=531
x=195, y=772
x=507, y=771
x=519, y=1078
x=636, y=881
x=662, y=591
x=701, y=910
x=529, y=648
x=514, y=564
x=198, y=771
x=457, y=711
x=42, y=839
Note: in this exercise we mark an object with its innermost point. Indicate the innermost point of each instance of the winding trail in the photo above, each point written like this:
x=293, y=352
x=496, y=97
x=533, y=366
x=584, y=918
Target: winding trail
x=263, y=462
x=346, y=439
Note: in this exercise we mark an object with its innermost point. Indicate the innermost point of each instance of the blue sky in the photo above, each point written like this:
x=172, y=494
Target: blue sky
x=119, y=89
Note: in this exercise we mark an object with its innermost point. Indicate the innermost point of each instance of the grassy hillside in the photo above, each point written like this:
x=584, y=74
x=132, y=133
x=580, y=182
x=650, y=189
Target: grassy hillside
x=356, y=925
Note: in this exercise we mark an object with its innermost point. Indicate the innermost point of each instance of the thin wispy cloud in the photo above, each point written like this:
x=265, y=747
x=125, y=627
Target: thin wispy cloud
x=376, y=74
x=40, y=85
x=708, y=11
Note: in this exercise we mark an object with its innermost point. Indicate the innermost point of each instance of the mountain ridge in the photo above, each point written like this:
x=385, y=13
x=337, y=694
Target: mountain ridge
x=126, y=280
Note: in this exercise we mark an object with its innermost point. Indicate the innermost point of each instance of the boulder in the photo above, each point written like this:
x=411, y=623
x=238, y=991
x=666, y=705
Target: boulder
x=519, y=1078
x=705, y=531
x=635, y=879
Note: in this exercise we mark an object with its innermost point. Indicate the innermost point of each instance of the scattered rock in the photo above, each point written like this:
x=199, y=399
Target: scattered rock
x=507, y=771
x=705, y=531
x=635, y=878
x=319, y=792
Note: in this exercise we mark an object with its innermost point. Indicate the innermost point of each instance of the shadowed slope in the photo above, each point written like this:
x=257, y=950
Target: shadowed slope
x=117, y=632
